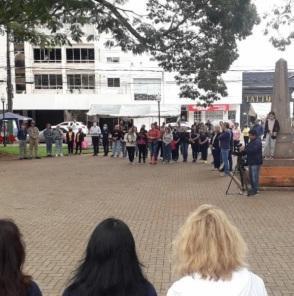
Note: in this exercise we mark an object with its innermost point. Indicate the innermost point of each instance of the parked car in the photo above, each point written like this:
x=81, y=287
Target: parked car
x=75, y=125
x=42, y=138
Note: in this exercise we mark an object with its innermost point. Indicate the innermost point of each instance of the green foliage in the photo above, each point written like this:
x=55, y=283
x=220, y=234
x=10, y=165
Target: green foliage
x=279, y=25
x=196, y=39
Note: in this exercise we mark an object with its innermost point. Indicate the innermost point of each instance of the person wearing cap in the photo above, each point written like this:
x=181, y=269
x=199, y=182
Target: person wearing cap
x=254, y=160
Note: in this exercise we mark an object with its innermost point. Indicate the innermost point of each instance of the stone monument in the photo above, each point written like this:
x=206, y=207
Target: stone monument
x=279, y=172
x=281, y=107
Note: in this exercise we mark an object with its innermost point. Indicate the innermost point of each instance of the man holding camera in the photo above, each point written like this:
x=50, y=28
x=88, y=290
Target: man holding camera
x=254, y=160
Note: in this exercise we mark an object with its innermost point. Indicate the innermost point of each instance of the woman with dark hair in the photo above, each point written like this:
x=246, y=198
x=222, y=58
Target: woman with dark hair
x=13, y=282
x=111, y=266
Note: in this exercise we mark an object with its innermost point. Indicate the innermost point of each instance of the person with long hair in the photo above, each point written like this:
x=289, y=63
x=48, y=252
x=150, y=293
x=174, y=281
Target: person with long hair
x=13, y=282
x=209, y=258
x=111, y=266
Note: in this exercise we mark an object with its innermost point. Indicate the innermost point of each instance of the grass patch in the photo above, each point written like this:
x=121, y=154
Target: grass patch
x=13, y=150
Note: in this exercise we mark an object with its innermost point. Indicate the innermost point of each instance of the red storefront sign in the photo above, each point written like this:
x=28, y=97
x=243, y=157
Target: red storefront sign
x=212, y=108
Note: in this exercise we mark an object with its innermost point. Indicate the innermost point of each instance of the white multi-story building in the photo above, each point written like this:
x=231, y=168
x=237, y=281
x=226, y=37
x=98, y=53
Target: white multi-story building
x=52, y=85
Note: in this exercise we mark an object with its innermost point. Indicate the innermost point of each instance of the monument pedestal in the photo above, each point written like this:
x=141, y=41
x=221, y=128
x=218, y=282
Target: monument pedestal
x=285, y=146
x=277, y=173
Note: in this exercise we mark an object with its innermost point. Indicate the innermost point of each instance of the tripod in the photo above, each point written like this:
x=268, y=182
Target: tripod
x=243, y=183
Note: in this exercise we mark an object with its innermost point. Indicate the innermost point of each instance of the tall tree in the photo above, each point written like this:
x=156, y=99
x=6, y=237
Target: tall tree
x=195, y=39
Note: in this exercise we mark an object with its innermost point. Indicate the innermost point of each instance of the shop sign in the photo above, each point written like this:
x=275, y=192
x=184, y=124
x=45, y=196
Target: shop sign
x=258, y=99
x=212, y=108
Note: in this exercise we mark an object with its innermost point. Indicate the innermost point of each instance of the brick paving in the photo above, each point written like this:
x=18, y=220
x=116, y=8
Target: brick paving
x=58, y=202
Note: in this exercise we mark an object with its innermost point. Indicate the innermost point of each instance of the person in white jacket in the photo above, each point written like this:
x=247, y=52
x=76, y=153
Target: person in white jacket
x=209, y=258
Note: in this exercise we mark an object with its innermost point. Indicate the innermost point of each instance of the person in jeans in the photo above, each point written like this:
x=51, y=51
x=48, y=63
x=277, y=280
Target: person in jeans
x=13, y=280
x=130, y=139
x=194, y=140
x=272, y=128
x=48, y=135
x=210, y=258
x=254, y=160
x=215, y=147
x=95, y=133
x=22, y=141
x=58, y=138
x=167, y=139
x=110, y=265
x=225, y=145
x=105, y=139
x=70, y=139
x=117, y=136
x=142, y=140
x=33, y=132
x=184, y=142
x=153, y=137
x=80, y=137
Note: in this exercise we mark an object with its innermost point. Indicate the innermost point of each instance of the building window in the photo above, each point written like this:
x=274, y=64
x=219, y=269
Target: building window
x=81, y=81
x=197, y=116
x=80, y=55
x=48, y=81
x=113, y=82
x=113, y=60
x=47, y=55
x=215, y=116
x=147, y=89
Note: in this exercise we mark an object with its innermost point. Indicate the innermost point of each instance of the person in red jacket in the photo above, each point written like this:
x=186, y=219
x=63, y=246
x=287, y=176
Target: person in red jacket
x=153, y=137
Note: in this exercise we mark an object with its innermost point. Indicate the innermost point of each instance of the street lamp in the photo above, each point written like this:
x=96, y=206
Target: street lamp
x=3, y=120
x=158, y=99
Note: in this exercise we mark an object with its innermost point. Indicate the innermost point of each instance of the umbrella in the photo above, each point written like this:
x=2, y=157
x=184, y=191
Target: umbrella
x=14, y=116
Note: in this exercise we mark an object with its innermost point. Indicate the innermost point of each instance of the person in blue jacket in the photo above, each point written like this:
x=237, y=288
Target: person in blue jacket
x=254, y=160
x=12, y=258
x=22, y=141
x=111, y=265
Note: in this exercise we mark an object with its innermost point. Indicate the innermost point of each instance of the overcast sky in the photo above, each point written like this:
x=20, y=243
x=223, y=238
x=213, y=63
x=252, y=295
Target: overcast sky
x=256, y=52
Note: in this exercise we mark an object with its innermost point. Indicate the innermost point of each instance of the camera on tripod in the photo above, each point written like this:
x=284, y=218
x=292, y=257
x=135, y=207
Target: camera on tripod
x=241, y=156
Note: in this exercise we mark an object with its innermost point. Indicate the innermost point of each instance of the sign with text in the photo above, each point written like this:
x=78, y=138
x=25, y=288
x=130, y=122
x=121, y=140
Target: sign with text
x=212, y=108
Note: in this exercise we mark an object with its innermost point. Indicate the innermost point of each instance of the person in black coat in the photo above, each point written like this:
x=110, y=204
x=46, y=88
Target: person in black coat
x=70, y=139
x=105, y=139
x=80, y=137
x=254, y=160
x=215, y=148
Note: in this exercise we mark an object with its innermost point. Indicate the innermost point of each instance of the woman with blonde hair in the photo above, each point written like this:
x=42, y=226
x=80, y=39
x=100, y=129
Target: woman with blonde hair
x=209, y=256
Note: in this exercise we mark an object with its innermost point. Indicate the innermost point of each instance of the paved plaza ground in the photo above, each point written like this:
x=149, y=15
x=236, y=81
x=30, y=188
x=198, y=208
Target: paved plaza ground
x=58, y=202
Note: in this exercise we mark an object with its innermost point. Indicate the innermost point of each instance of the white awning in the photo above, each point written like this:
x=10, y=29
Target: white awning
x=134, y=111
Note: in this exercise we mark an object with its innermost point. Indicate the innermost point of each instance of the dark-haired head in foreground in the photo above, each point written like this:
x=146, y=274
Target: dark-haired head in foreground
x=13, y=282
x=111, y=266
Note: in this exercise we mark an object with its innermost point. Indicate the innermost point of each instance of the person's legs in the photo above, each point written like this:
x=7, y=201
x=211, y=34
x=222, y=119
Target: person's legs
x=168, y=155
x=31, y=147
x=217, y=161
x=131, y=153
x=48, y=148
x=225, y=158
x=204, y=152
x=272, y=147
x=185, y=147
x=105, y=147
x=145, y=152
x=246, y=140
x=230, y=157
x=36, y=147
x=254, y=177
x=140, y=148
x=21, y=149
x=267, y=146
x=95, y=142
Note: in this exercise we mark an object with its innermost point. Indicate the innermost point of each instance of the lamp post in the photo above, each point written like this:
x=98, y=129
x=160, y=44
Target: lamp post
x=158, y=99
x=3, y=120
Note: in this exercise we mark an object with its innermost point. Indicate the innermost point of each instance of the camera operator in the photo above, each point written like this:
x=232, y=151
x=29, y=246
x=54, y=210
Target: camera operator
x=254, y=160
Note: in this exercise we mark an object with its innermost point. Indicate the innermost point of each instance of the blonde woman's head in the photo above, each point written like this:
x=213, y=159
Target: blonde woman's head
x=209, y=245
